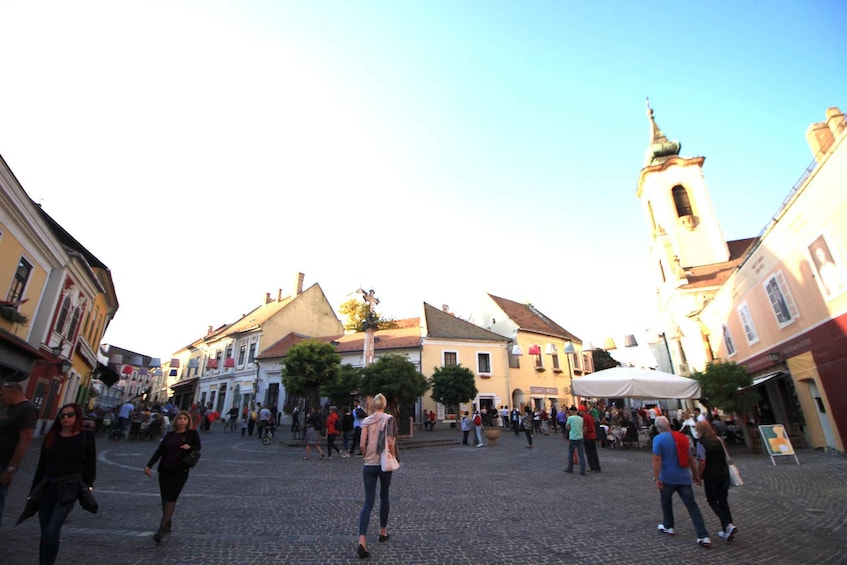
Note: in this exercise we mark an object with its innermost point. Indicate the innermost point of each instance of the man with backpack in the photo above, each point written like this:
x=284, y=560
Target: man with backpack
x=359, y=414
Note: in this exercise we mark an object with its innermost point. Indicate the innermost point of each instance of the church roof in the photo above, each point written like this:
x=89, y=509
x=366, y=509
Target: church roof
x=660, y=148
x=717, y=273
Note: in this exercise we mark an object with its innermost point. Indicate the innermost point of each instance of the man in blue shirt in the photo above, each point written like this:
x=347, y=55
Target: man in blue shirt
x=574, y=426
x=672, y=477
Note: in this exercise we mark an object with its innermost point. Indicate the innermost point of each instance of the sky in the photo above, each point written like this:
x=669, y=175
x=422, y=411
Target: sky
x=433, y=151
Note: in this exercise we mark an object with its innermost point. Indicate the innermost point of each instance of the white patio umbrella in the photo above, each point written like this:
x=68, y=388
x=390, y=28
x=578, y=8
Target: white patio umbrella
x=635, y=382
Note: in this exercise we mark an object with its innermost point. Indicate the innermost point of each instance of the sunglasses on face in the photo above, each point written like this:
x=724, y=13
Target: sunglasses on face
x=67, y=415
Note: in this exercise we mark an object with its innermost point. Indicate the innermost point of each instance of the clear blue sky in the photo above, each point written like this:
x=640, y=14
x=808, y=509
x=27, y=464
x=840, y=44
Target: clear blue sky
x=433, y=151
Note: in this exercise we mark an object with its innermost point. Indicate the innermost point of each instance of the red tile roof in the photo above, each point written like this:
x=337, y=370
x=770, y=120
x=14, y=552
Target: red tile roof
x=530, y=319
x=717, y=273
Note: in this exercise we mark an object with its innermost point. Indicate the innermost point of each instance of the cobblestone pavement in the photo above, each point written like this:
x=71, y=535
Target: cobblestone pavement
x=248, y=503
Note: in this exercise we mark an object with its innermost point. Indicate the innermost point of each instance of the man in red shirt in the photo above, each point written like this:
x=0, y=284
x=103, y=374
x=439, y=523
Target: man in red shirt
x=589, y=434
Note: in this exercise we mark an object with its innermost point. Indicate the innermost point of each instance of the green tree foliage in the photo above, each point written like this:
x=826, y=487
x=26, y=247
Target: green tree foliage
x=602, y=360
x=452, y=385
x=310, y=366
x=726, y=386
x=356, y=311
x=348, y=384
x=396, y=378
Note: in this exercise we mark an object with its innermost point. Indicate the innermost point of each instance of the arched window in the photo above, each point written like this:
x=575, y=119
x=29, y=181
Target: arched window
x=73, y=324
x=680, y=199
x=63, y=315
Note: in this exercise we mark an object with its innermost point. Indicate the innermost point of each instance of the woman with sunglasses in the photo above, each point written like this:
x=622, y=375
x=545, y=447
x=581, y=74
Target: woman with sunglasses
x=173, y=473
x=68, y=463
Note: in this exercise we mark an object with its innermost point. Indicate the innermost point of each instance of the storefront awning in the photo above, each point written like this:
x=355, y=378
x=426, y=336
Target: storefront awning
x=765, y=378
x=184, y=384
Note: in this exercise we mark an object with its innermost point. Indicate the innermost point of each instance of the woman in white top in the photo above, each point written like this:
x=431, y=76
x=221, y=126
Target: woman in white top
x=372, y=470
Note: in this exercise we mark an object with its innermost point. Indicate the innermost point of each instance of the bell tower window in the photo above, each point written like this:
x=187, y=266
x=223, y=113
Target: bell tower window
x=680, y=199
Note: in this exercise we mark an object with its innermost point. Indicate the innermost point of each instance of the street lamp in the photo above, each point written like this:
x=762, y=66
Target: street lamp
x=569, y=350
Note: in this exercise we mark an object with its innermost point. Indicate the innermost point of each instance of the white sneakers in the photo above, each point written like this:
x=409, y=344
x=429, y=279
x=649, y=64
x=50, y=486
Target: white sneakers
x=664, y=530
x=731, y=530
x=479, y=445
x=705, y=542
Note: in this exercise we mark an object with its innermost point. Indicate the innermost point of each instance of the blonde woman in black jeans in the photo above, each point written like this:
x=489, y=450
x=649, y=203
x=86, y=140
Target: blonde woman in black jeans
x=173, y=473
x=372, y=471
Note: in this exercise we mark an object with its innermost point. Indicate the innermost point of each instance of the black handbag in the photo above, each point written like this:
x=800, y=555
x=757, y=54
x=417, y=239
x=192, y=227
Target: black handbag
x=191, y=457
x=86, y=499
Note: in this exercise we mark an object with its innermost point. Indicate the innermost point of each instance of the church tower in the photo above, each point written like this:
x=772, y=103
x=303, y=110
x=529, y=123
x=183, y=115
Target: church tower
x=680, y=217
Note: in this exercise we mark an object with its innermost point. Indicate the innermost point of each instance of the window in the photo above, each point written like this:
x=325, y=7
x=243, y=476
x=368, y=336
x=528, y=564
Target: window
x=18, y=287
x=539, y=362
x=555, y=359
x=252, y=356
x=727, y=340
x=781, y=299
x=483, y=361
x=747, y=322
x=680, y=200
x=242, y=353
x=451, y=359
x=73, y=324
x=63, y=315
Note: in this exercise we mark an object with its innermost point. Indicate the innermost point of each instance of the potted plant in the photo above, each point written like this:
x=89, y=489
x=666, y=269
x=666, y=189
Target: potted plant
x=11, y=313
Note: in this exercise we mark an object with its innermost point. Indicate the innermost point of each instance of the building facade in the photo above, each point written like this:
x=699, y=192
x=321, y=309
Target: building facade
x=774, y=303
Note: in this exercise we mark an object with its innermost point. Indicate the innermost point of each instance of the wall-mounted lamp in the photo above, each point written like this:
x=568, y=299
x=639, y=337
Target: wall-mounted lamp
x=550, y=349
x=517, y=350
x=609, y=344
x=774, y=357
x=569, y=348
x=535, y=349
x=629, y=341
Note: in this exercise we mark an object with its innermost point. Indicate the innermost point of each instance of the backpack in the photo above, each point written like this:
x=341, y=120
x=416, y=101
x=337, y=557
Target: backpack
x=360, y=413
x=477, y=421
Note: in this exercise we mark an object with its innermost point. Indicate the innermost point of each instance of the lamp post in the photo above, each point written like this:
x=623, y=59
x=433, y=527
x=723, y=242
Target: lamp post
x=569, y=350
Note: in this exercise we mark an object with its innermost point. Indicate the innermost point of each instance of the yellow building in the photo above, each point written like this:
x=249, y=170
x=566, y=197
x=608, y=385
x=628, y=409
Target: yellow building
x=544, y=357
x=58, y=302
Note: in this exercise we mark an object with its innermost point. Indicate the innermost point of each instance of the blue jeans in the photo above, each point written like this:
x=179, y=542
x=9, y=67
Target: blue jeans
x=576, y=445
x=52, y=513
x=370, y=473
x=686, y=493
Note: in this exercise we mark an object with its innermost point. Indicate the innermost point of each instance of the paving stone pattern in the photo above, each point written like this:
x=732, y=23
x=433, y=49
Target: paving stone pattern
x=246, y=503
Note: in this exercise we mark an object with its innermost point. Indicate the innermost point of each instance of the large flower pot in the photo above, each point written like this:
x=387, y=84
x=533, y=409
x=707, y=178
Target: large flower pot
x=491, y=434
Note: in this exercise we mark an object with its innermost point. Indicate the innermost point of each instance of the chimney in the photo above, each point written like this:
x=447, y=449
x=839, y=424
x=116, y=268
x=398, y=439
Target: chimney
x=820, y=138
x=445, y=308
x=298, y=286
x=267, y=297
x=279, y=295
x=209, y=331
x=835, y=121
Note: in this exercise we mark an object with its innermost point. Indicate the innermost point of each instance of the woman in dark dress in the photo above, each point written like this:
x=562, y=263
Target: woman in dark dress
x=173, y=473
x=68, y=463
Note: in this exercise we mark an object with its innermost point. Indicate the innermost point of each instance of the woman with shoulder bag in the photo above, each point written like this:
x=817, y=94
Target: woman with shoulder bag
x=173, y=471
x=370, y=446
x=714, y=471
x=68, y=464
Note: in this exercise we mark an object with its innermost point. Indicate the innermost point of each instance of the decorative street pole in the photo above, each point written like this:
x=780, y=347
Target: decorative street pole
x=369, y=325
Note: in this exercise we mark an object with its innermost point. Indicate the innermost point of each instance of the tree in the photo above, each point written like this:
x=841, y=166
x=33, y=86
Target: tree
x=453, y=385
x=356, y=311
x=727, y=385
x=308, y=367
x=396, y=378
x=602, y=360
x=349, y=382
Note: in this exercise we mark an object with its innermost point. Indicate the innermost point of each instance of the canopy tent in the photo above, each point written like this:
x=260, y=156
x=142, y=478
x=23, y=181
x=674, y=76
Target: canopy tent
x=634, y=382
